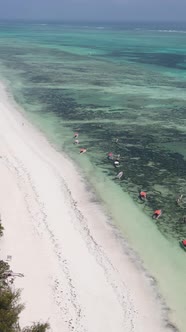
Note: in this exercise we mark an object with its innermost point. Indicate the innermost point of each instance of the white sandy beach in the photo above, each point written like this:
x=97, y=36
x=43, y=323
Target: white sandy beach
x=76, y=274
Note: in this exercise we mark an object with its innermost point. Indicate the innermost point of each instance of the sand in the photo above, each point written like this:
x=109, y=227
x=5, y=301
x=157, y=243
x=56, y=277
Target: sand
x=77, y=275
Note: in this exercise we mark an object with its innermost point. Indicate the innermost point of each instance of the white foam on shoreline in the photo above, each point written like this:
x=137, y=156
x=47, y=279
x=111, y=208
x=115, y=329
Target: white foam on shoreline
x=76, y=273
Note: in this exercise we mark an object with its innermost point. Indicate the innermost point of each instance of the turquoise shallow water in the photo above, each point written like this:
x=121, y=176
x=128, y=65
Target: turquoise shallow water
x=109, y=82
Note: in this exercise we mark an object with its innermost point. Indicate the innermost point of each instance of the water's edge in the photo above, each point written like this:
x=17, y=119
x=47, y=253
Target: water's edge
x=136, y=218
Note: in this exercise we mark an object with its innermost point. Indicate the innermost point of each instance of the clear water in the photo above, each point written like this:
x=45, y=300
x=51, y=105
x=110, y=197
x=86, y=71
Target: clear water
x=115, y=81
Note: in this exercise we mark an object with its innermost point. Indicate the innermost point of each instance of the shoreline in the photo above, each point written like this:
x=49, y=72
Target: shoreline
x=90, y=282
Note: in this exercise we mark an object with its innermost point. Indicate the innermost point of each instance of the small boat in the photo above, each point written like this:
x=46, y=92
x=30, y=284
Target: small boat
x=116, y=163
x=183, y=244
x=110, y=156
x=119, y=175
x=157, y=214
x=143, y=195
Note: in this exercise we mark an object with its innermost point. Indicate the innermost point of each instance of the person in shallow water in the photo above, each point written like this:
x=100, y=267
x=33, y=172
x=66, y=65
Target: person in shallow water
x=179, y=200
x=143, y=195
x=76, y=135
x=183, y=220
x=76, y=141
x=157, y=214
x=82, y=150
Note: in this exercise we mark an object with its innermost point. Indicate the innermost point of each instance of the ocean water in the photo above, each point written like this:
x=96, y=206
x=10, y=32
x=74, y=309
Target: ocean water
x=122, y=87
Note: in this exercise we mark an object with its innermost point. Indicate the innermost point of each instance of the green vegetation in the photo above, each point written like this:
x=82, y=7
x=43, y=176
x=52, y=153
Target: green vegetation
x=1, y=228
x=10, y=308
x=36, y=328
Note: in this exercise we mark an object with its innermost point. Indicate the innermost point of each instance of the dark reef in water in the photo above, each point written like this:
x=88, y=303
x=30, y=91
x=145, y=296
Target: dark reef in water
x=143, y=123
x=145, y=161
x=170, y=60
